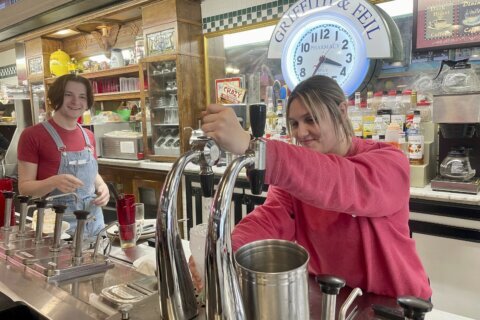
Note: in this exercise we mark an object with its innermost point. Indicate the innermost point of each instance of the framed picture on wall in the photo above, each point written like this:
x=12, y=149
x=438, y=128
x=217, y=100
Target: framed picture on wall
x=160, y=42
x=445, y=24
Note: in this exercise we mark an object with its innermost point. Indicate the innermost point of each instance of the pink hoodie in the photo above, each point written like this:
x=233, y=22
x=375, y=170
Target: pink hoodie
x=350, y=213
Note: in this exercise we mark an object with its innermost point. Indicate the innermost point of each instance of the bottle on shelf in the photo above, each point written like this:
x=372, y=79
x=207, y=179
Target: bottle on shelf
x=355, y=116
x=398, y=111
x=281, y=128
x=384, y=108
x=368, y=117
x=407, y=99
x=376, y=101
x=379, y=127
x=271, y=122
x=392, y=134
x=415, y=140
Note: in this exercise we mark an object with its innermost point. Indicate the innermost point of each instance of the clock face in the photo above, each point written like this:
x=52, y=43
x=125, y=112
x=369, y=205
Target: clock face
x=327, y=47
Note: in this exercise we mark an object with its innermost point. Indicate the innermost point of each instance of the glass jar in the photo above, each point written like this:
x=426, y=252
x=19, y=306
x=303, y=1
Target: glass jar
x=456, y=165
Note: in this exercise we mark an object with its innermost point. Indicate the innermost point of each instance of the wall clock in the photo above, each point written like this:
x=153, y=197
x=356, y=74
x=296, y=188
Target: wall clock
x=327, y=45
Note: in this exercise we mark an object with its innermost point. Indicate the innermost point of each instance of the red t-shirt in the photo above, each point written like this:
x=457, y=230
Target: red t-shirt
x=37, y=146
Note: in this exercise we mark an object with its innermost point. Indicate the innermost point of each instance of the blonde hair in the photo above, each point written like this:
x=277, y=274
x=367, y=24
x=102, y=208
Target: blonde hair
x=322, y=95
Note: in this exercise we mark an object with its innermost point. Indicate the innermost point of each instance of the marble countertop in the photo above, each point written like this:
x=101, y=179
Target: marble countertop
x=425, y=193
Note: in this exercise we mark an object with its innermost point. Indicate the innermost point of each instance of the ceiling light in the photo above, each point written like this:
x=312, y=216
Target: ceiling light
x=248, y=37
x=397, y=7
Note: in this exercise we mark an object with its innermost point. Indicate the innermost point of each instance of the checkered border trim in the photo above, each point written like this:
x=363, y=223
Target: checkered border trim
x=246, y=16
x=8, y=71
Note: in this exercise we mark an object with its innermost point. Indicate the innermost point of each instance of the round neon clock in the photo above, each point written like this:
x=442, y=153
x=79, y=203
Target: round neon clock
x=326, y=45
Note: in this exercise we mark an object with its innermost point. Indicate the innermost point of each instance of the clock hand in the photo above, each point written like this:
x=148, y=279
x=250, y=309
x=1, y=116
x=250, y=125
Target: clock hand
x=320, y=61
x=330, y=61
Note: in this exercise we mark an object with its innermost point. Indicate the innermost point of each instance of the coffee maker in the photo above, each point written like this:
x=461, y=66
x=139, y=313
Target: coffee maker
x=458, y=116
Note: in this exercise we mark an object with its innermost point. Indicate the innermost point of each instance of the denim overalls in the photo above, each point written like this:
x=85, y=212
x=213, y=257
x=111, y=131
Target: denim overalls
x=83, y=165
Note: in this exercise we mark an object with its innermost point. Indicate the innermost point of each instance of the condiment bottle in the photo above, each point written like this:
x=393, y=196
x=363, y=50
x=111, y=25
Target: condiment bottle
x=392, y=135
x=415, y=140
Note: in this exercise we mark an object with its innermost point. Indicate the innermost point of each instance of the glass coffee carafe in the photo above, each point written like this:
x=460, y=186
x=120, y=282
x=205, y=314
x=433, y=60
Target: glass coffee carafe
x=459, y=77
x=456, y=165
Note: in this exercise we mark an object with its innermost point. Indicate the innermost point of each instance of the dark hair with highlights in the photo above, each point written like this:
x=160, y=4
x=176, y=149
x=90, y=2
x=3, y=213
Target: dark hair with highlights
x=56, y=92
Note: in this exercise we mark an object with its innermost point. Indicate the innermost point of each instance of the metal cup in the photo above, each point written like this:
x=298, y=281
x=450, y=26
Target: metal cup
x=273, y=279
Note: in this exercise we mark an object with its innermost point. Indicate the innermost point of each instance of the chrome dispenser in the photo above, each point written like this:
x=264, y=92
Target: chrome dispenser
x=222, y=291
x=176, y=291
x=73, y=262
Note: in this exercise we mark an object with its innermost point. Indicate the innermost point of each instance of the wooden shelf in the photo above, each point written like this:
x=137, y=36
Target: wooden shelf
x=133, y=68
x=131, y=95
x=130, y=69
x=35, y=78
x=387, y=75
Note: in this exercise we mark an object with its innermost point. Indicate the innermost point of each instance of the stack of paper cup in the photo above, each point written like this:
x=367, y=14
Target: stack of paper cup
x=198, y=235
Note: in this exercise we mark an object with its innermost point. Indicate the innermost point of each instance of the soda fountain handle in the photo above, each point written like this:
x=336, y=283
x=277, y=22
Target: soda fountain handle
x=414, y=308
x=330, y=286
x=256, y=175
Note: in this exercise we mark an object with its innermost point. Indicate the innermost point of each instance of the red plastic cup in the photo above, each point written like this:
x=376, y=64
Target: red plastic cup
x=126, y=213
x=6, y=184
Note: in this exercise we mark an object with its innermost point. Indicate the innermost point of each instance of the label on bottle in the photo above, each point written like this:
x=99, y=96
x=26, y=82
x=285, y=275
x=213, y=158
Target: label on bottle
x=415, y=147
x=399, y=119
x=357, y=125
x=368, y=125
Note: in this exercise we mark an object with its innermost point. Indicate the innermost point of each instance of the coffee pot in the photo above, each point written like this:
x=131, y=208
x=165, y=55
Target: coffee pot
x=459, y=77
x=456, y=165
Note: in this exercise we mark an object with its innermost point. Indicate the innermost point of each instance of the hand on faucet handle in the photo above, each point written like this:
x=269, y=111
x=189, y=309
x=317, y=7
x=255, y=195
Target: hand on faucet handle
x=221, y=124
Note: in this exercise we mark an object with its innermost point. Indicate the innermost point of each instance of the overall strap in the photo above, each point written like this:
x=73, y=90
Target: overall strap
x=85, y=136
x=54, y=134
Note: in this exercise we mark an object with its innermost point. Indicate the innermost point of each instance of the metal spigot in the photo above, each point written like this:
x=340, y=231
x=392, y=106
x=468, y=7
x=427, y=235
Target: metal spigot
x=108, y=248
x=330, y=287
x=41, y=205
x=57, y=231
x=8, y=195
x=81, y=216
x=342, y=314
x=23, y=215
x=222, y=290
x=50, y=198
x=176, y=290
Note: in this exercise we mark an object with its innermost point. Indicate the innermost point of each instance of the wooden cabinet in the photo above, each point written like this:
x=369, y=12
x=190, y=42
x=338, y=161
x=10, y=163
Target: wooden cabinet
x=174, y=68
x=174, y=101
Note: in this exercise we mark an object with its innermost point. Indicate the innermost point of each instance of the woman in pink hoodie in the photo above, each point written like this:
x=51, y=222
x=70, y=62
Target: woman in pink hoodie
x=344, y=199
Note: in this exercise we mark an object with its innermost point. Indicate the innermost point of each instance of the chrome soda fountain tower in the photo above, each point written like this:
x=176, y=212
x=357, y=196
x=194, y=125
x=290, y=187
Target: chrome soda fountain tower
x=175, y=286
x=222, y=290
